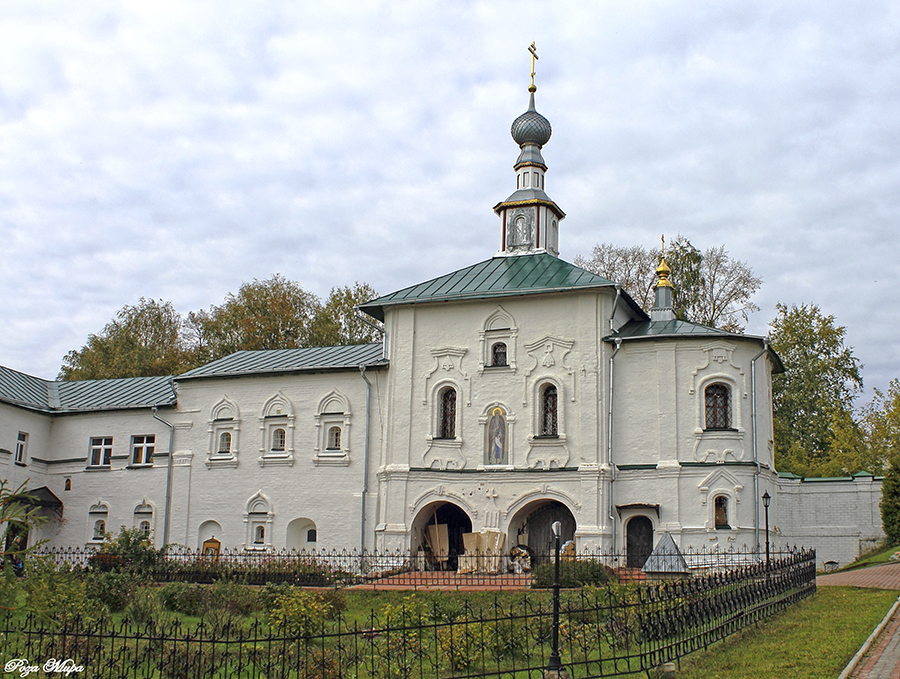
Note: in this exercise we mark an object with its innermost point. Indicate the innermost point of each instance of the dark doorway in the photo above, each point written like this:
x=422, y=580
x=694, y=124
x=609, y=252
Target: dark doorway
x=540, y=533
x=457, y=523
x=638, y=541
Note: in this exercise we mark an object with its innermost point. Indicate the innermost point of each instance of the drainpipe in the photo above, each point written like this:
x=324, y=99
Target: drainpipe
x=167, y=514
x=609, y=450
x=754, y=439
x=365, y=488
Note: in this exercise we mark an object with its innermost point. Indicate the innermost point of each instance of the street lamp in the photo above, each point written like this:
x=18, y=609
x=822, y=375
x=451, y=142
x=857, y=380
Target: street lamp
x=554, y=666
x=766, y=498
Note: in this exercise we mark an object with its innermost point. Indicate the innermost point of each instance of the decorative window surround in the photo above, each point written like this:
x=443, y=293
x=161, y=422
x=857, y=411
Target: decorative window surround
x=447, y=368
x=98, y=522
x=258, y=519
x=333, y=412
x=500, y=326
x=276, y=426
x=547, y=452
x=224, y=430
x=143, y=514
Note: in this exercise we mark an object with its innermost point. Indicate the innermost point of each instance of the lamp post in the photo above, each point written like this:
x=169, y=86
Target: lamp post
x=554, y=666
x=766, y=498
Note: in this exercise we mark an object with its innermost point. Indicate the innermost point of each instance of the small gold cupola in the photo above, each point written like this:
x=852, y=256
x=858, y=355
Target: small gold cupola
x=664, y=306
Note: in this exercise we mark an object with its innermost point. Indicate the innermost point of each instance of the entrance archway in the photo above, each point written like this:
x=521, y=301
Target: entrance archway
x=438, y=530
x=638, y=541
x=532, y=527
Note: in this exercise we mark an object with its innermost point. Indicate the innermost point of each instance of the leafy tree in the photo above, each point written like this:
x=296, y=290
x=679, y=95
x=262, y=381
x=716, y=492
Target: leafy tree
x=711, y=288
x=276, y=313
x=338, y=322
x=817, y=389
x=890, y=504
x=143, y=340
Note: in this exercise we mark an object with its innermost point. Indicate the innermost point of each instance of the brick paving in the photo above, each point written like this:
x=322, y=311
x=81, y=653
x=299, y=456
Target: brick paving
x=882, y=660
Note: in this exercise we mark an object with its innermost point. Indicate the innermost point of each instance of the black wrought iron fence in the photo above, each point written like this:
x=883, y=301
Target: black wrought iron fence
x=514, y=569
x=604, y=631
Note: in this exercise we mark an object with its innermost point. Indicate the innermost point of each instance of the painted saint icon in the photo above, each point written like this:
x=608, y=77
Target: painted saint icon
x=496, y=438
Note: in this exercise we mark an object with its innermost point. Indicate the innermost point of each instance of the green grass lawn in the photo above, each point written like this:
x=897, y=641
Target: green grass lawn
x=879, y=556
x=812, y=640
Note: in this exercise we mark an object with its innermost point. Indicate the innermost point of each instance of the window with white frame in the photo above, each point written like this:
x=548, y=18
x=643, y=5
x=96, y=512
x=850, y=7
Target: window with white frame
x=333, y=430
x=277, y=428
x=224, y=447
x=334, y=438
x=258, y=518
x=143, y=517
x=224, y=431
x=101, y=451
x=498, y=341
x=21, y=448
x=98, y=515
x=142, y=448
x=278, y=440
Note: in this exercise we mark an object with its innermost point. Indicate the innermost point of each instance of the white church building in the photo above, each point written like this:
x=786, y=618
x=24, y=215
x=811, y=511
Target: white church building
x=507, y=395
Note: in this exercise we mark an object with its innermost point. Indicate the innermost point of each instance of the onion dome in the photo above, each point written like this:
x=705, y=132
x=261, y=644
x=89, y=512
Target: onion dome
x=531, y=127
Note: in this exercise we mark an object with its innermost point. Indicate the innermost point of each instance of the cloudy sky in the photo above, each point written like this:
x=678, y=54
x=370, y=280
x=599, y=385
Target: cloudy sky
x=174, y=150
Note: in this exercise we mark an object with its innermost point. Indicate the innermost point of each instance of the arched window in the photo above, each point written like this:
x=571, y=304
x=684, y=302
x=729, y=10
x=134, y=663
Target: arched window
x=259, y=535
x=225, y=443
x=145, y=528
x=447, y=415
x=498, y=354
x=99, y=529
x=549, y=425
x=278, y=439
x=311, y=535
x=722, y=512
x=718, y=406
x=334, y=439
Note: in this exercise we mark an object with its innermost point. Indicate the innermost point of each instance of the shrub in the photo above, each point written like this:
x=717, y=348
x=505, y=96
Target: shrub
x=129, y=550
x=114, y=589
x=145, y=607
x=301, y=612
x=180, y=597
x=59, y=595
x=573, y=573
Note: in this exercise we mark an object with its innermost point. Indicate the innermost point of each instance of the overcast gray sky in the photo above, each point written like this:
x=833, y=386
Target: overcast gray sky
x=174, y=150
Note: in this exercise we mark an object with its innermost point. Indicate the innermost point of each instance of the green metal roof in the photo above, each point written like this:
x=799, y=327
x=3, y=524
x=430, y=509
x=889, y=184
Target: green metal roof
x=656, y=330
x=309, y=359
x=84, y=395
x=497, y=277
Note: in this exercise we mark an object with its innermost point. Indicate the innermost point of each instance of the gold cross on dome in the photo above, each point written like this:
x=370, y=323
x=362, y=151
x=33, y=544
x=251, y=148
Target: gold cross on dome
x=534, y=57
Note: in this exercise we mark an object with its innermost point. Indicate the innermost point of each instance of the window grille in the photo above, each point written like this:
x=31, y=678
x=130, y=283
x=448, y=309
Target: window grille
x=549, y=411
x=498, y=354
x=718, y=407
x=447, y=424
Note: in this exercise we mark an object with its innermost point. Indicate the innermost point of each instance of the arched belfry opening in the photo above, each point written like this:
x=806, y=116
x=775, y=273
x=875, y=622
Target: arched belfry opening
x=532, y=527
x=438, y=531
